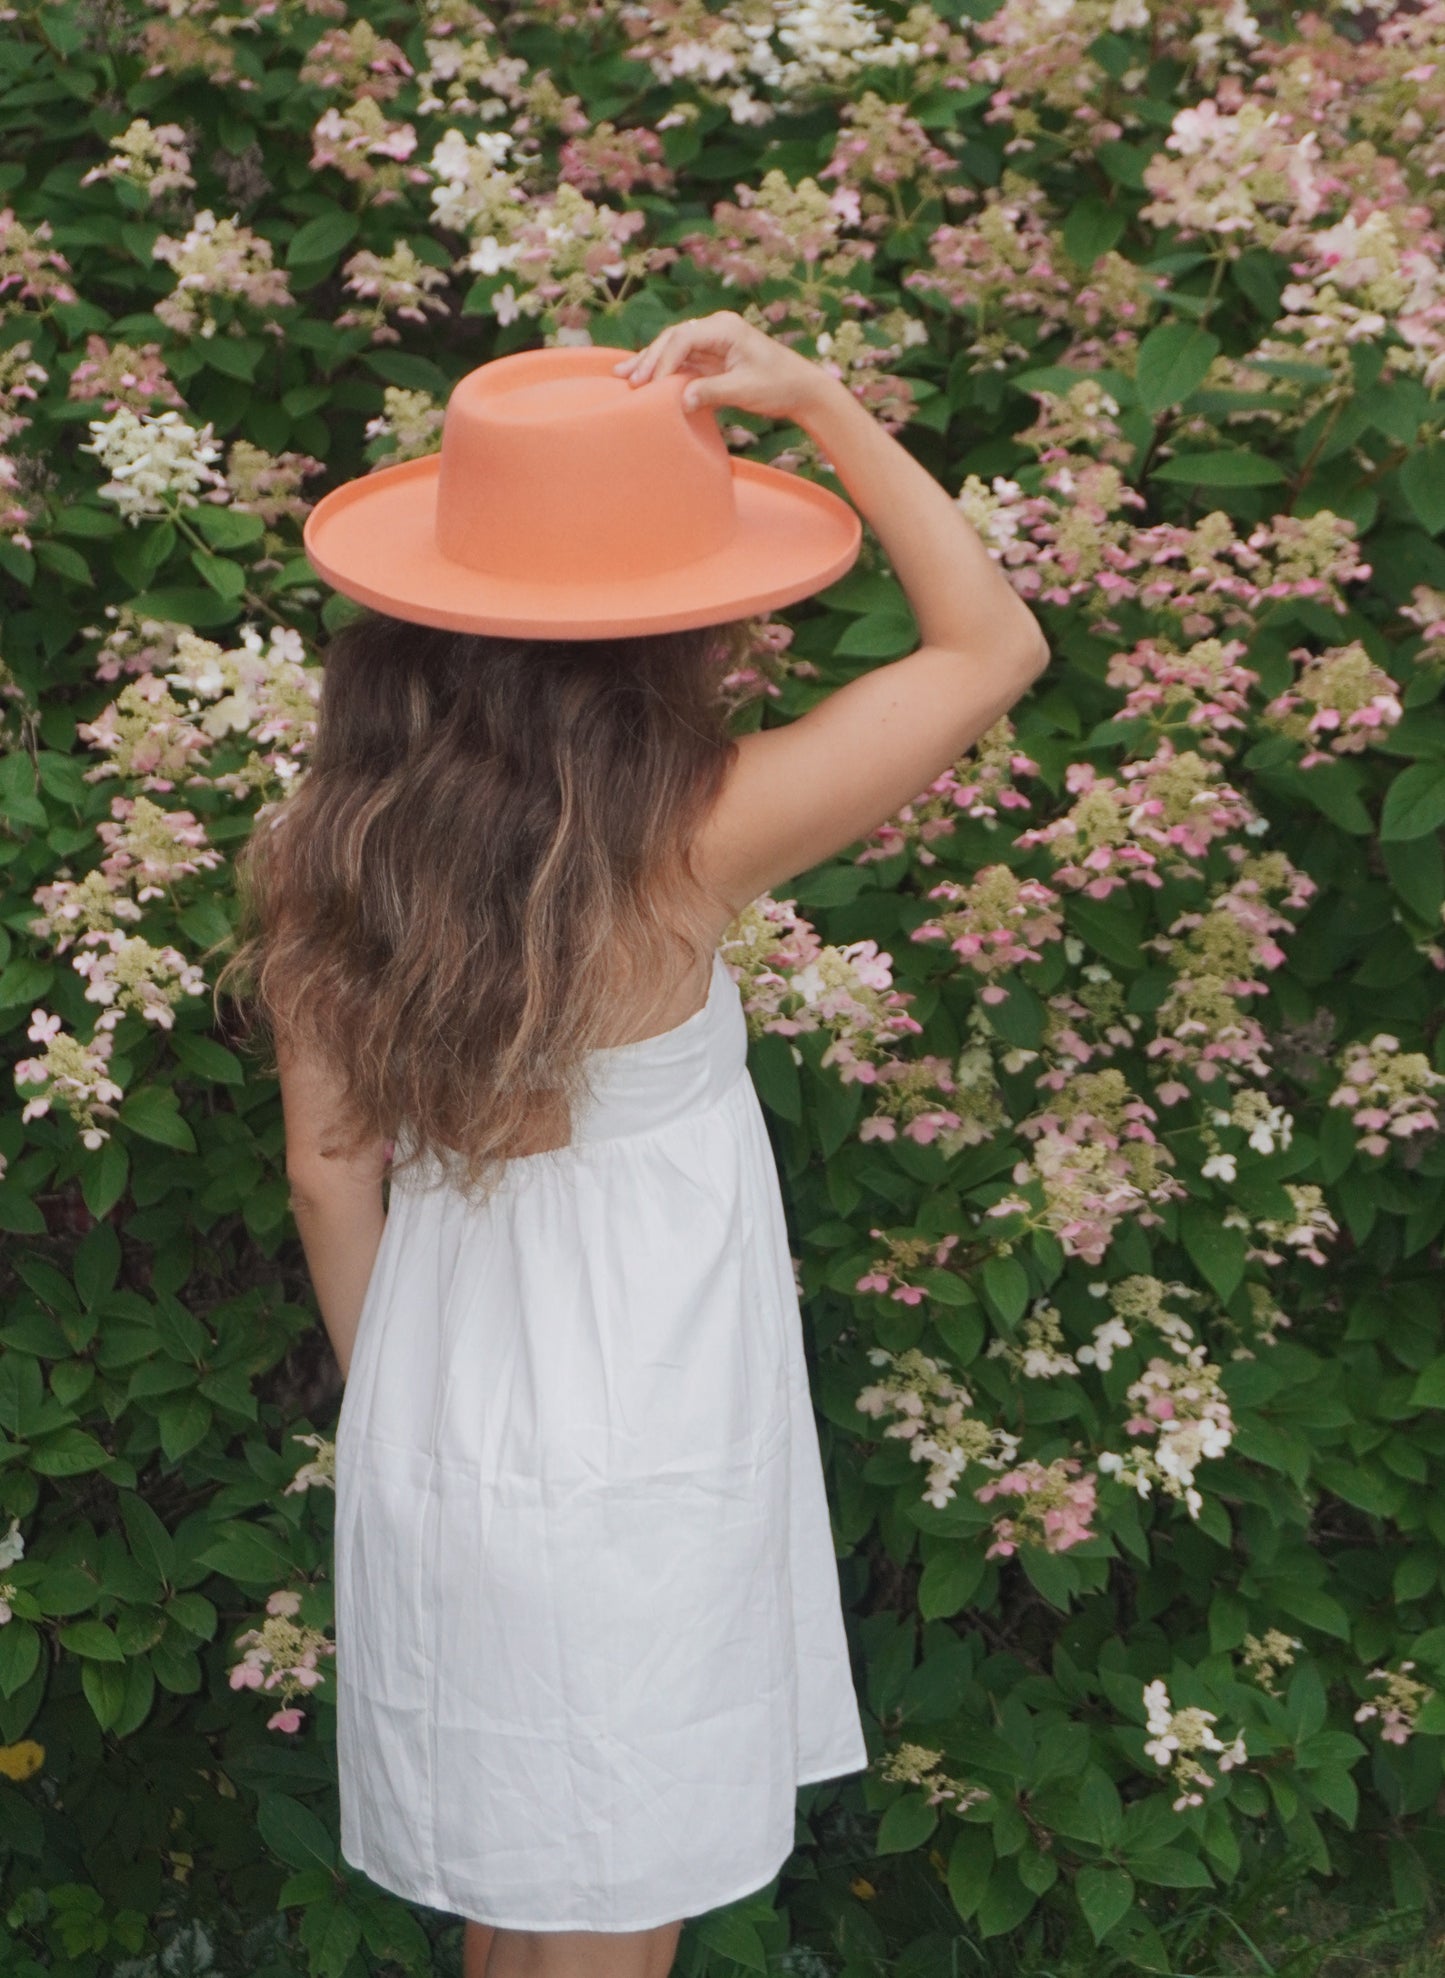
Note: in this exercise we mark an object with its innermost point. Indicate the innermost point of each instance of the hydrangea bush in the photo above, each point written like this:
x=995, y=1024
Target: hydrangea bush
x=1105, y=1079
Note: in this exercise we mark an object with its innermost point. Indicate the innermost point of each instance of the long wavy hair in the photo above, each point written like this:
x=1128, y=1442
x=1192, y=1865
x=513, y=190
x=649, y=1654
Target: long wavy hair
x=490, y=843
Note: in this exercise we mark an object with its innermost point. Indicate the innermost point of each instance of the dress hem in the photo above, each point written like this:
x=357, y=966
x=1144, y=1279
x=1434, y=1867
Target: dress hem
x=749, y=1887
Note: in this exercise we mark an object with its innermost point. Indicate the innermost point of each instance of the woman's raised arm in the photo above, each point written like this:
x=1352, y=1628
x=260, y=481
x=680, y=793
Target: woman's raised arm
x=799, y=793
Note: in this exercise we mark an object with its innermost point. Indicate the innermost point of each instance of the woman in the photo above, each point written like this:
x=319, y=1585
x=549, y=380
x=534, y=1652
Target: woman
x=589, y=1637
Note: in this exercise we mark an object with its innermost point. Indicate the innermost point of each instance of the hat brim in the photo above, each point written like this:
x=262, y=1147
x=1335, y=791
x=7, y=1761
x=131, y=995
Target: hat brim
x=373, y=540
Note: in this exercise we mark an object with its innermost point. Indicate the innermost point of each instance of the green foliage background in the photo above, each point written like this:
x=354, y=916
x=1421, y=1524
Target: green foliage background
x=160, y=1348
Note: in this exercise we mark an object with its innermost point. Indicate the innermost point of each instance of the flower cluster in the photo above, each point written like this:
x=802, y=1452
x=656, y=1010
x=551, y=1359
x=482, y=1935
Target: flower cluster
x=1264, y=1656
x=1340, y=702
x=890, y=1275
x=145, y=737
x=1086, y=1023
x=126, y=972
x=399, y=284
x=753, y=61
x=1037, y=1352
x=562, y=251
x=72, y=907
x=263, y=691
x=1178, y=1737
x=1036, y=66
x=1201, y=1024
x=1209, y=577
x=461, y=56
x=410, y=420
x=356, y=61
x=861, y=359
x=156, y=461
x=221, y=262
x=1365, y=281
x=1237, y=175
x=1054, y=1503
x=1203, y=690
x=473, y=194
x=132, y=643
x=1069, y=542
x=31, y=270
x=368, y=148
x=269, y=485
x=917, y=1765
x=930, y=1412
x=994, y=924
x=929, y=1099
x=1136, y=1301
x=879, y=149
x=123, y=374
x=760, y=669
x=1265, y=1126
x=183, y=39
x=282, y=1655
x=155, y=158
x=791, y=983
x=1077, y=425
x=1095, y=1162
x=259, y=691
x=603, y=158
x=147, y=851
x=1387, y=1092
x=12, y=1550
x=22, y=378
x=1398, y=1704
x=1180, y=1403
x=320, y=1472
x=978, y=786
x=773, y=226
x=566, y=254
x=1149, y=823
x=1426, y=610
x=1308, y=1225
x=71, y=1074
x=996, y=267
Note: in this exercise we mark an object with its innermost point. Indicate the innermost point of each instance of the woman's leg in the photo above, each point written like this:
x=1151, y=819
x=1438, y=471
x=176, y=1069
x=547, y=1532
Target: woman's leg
x=476, y=1948
x=582, y=1953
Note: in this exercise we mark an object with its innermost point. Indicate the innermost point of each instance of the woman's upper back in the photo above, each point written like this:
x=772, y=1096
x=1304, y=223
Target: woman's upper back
x=800, y=793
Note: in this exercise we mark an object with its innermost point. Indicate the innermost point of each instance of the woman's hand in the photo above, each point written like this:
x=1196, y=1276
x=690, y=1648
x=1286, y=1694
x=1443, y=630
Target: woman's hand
x=731, y=362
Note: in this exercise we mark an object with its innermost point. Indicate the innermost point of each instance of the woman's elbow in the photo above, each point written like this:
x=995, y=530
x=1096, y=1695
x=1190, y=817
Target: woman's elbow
x=1031, y=658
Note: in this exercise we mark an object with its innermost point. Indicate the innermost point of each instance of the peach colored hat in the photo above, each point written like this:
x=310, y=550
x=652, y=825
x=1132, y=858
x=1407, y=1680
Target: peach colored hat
x=567, y=503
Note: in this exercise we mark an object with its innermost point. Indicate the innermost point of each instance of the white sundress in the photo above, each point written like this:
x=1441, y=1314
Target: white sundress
x=589, y=1635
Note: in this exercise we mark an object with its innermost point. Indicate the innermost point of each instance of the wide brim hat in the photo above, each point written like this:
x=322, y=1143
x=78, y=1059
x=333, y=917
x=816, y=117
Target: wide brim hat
x=566, y=503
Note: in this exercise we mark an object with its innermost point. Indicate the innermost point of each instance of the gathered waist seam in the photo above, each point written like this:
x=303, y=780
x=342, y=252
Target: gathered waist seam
x=577, y=1151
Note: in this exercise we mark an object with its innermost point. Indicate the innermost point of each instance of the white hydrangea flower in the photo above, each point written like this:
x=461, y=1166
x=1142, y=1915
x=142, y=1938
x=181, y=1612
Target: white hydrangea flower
x=155, y=461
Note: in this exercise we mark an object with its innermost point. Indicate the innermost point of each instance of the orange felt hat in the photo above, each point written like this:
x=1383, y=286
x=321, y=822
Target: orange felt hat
x=566, y=503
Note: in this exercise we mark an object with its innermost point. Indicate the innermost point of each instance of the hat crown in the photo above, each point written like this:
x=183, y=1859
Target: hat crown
x=556, y=470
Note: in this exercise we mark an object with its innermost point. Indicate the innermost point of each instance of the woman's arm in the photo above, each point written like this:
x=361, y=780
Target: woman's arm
x=804, y=791
x=336, y=1200
x=961, y=599
x=340, y=1233
x=801, y=792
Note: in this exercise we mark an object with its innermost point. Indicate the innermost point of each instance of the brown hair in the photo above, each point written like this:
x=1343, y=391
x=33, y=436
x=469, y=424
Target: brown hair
x=483, y=841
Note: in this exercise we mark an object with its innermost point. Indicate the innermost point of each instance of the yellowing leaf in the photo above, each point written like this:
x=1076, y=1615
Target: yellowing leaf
x=21, y=1761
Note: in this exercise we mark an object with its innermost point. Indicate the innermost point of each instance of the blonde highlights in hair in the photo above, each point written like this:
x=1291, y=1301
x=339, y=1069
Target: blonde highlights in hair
x=490, y=844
